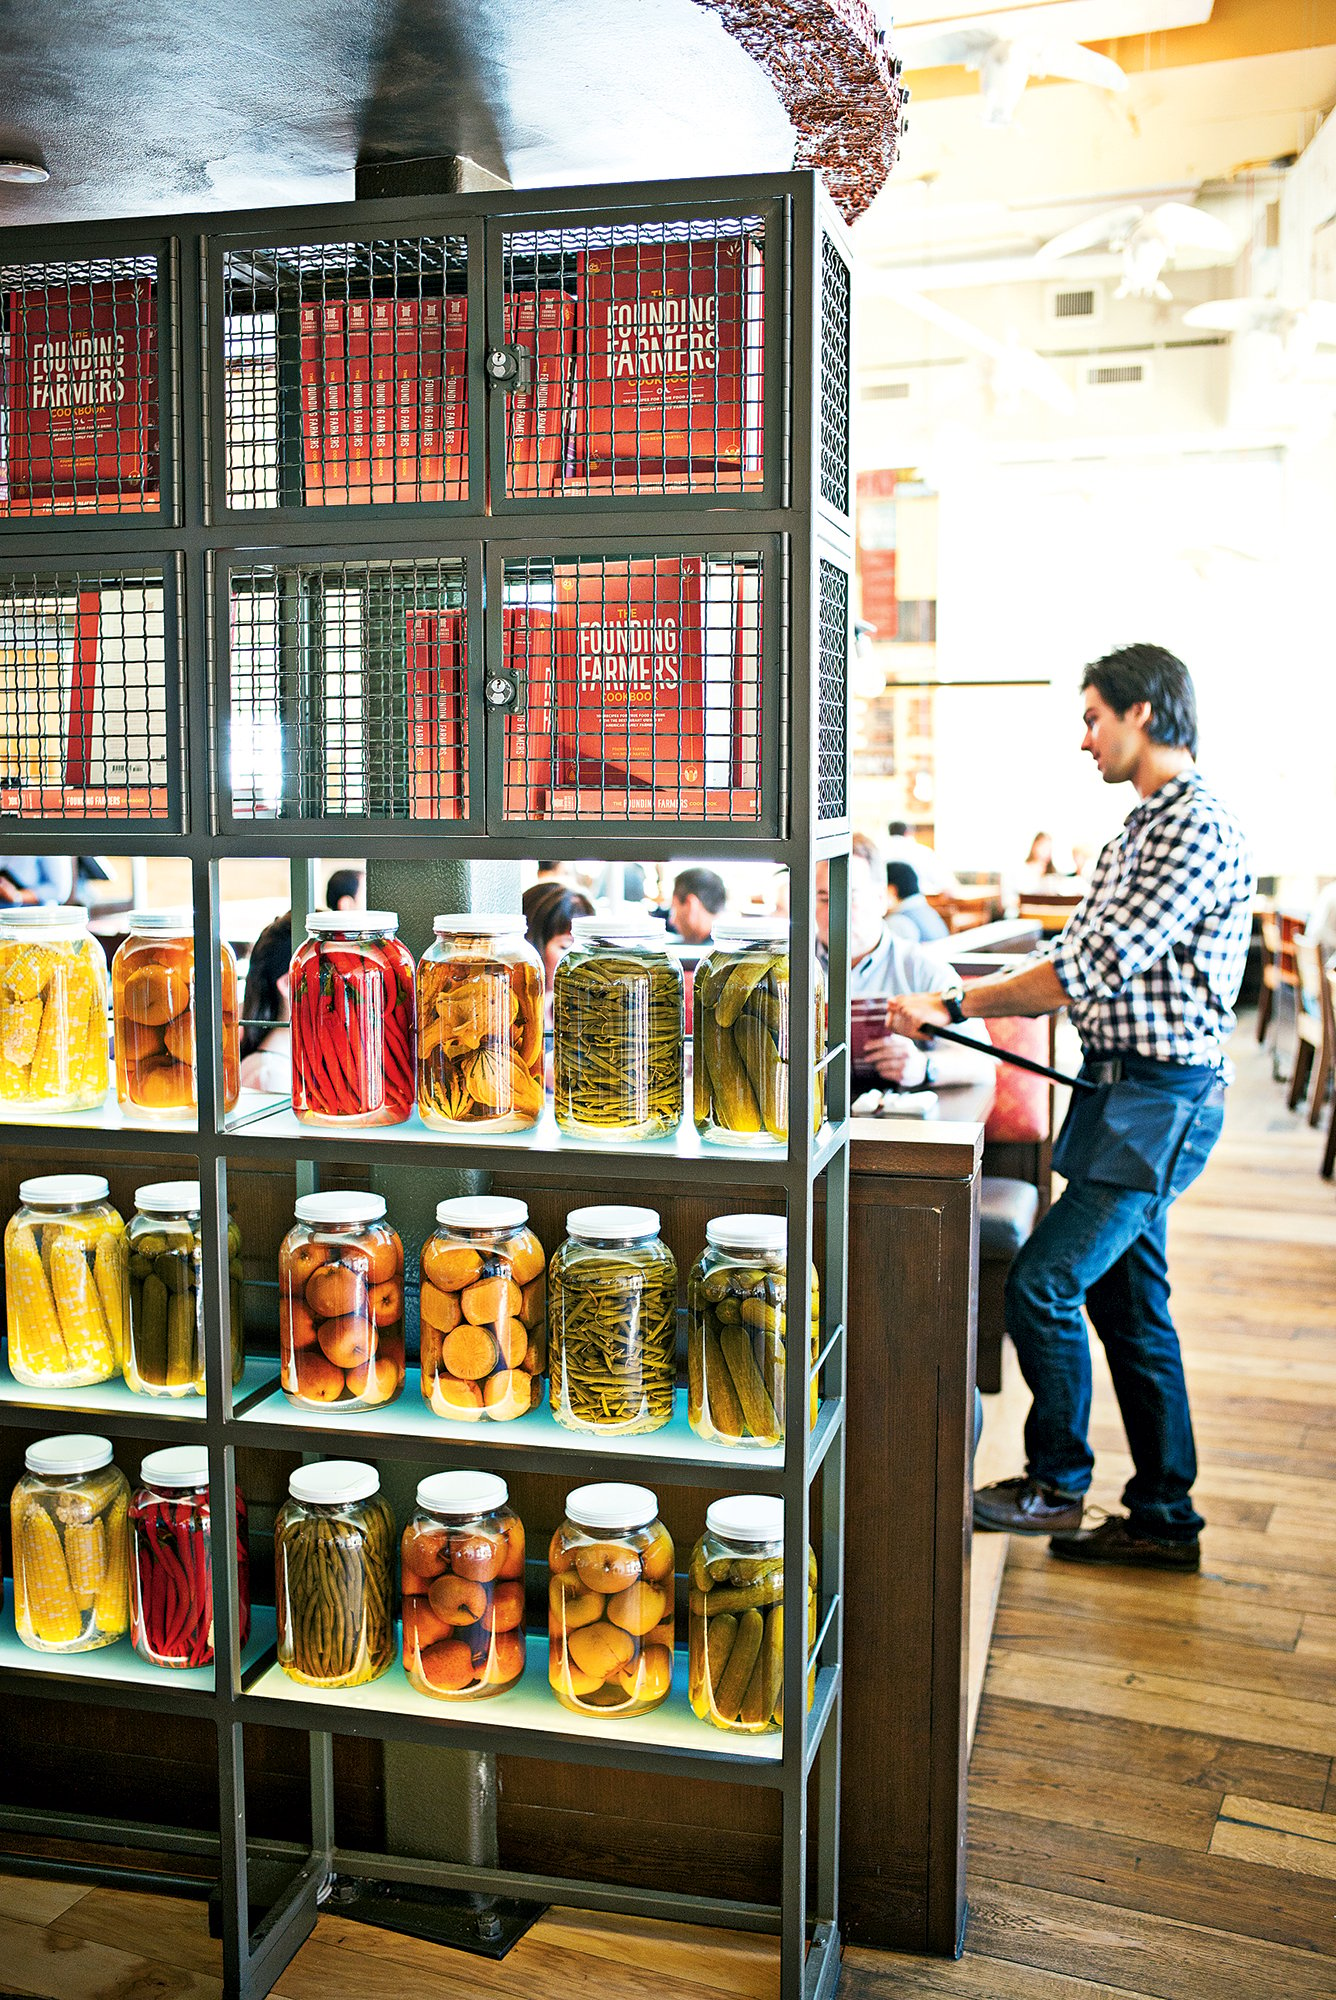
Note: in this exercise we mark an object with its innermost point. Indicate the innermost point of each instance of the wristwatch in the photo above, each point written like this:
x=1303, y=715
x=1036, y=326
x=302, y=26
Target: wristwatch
x=951, y=1002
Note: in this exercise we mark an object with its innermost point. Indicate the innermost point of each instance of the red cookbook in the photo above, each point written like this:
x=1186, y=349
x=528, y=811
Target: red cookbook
x=83, y=396
x=437, y=716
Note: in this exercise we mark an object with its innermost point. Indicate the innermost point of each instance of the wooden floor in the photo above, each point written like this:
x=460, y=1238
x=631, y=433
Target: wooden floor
x=1154, y=1808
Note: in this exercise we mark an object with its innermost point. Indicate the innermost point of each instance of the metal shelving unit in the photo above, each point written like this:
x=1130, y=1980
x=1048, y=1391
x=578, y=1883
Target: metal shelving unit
x=240, y=554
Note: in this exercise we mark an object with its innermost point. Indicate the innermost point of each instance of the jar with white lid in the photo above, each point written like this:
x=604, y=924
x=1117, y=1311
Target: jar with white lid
x=153, y=1016
x=737, y=1329
x=740, y=1033
x=617, y=1031
x=482, y=1310
x=612, y=1322
x=735, y=1618
x=164, y=1355
x=66, y=1291
x=334, y=1575
x=70, y=1536
x=462, y=1571
x=480, y=1026
x=353, y=1020
x=610, y=1602
x=53, y=1010
x=341, y=1304
x=171, y=1583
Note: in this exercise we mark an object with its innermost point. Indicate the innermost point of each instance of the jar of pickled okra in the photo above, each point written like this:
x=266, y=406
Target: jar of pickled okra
x=341, y=1304
x=334, y=1575
x=462, y=1571
x=482, y=1310
x=736, y=1331
x=740, y=1034
x=66, y=1297
x=68, y=1522
x=171, y=1584
x=164, y=1355
x=153, y=1017
x=353, y=1021
x=610, y=1602
x=53, y=1010
x=617, y=1031
x=735, y=1618
x=480, y=1026
x=612, y=1322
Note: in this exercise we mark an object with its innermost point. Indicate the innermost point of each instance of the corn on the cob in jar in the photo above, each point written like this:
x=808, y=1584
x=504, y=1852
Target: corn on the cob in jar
x=53, y=1010
x=66, y=1295
x=69, y=1526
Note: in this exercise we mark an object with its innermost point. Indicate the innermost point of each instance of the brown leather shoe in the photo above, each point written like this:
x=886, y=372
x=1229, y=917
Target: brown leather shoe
x=1115, y=1540
x=1026, y=1506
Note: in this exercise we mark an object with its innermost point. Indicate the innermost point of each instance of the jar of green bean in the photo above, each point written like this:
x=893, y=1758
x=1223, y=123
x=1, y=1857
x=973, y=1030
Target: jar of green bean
x=740, y=1034
x=612, y=1322
x=617, y=1024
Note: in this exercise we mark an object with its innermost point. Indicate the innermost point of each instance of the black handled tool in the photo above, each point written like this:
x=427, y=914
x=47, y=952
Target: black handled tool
x=1010, y=1056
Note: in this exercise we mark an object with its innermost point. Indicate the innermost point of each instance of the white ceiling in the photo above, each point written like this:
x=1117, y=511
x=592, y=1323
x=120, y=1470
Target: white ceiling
x=1083, y=20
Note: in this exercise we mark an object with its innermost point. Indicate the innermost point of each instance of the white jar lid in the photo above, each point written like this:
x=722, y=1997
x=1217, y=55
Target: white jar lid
x=747, y=1517
x=175, y=923
x=332, y=1482
x=752, y=930
x=461, y=1495
x=168, y=1198
x=335, y=1207
x=612, y=1506
x=63, y=1190
x=177, y=1465
x=482, y=1211
x=612, y=1223
x=43, y=916
x=321, y=922
x=478, y=923
x=619, y=927
x=747, y=1232
x=77, y=1452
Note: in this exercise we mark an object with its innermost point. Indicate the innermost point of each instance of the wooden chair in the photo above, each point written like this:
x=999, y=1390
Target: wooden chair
x=1275, y=972
x=1329, y=1155
x=1314, y=1049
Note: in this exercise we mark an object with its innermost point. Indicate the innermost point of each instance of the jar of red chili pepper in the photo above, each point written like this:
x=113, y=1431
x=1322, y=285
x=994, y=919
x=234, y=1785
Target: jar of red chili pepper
x=353, y=1018
x=171, y=1586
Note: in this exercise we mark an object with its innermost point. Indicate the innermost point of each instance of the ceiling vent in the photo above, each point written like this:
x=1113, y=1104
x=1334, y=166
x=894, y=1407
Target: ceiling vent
x=1081, y=305
x=1111, y=374
x=887, y=392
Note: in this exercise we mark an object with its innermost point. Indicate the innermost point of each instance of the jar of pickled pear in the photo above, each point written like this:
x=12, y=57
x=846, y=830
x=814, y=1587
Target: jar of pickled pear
x=341, y=1304
x=736, y=1331
x=171, y=1584
x=482, y=1310
x=610, y=1602
x=462, y=1571
x=68, y=1521
x=740, y=1034
x=353, y=1014
x=480, y=1027
x=53, y=1010
x=334, y=1576
x=735, y=1617
x=164, y=1355
x=617, y=1031
x=612, y=1322
x=153, y=1015
x=66, y=1295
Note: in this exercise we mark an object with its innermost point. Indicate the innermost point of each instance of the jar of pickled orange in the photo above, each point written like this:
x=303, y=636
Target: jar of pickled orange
x=341, y=1304
x=153, y=1016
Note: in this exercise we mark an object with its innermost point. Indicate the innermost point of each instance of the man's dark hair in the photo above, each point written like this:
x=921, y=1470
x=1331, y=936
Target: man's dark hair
x=903, y=879
x=702, y=882
x=898, y=828
x=1149, y=673
x=262, y=1006
x=343, y=882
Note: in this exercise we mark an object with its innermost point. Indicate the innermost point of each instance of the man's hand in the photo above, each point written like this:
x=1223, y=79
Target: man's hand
x=897, y=1061
x=916, y=1014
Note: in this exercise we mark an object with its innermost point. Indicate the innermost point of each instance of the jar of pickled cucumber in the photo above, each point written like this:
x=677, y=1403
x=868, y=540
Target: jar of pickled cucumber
x=53, y=1010
x=612, y=1322
x=617, y=1031
x=736, y=1331
x=482, y=1310
x=740, y=1034
x=610, y=1602
x=171, y=1584
x=341, y=1304
x=353, y=1012
x=68, y=1520
x=735, y=1618
x=480, y=1026
x=153, y=1016
x=462, y=1574
x=66, y=1295
x=334, y=1575
x=164, y=1355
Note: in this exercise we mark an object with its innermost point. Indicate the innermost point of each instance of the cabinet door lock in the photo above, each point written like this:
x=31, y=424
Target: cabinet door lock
x=510, y=368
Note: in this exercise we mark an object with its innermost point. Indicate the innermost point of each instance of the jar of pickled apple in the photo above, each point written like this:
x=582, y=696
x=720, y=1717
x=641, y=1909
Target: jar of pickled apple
x=68, y=1520
x=617, y=1031
x=612, y=1322
x=171, y=1584
x=482, y=1310
x=66, y=1297
x=153, y=1015
x=462, y=1571
x=740, y=1033
x=334, y=1575
x=480, y=1027
x=736, y=1331
x=341, y=1304
x=353, y=1013
x=164, y=1355
x=610, y=1602
x=53, y=1010
x=735, y=1618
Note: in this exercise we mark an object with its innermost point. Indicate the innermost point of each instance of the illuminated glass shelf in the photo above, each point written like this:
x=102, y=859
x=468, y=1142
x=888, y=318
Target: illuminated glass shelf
x=120, y=1665
x=113, y=1405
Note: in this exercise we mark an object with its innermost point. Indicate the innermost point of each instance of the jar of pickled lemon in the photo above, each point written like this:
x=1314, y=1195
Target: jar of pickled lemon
x=53, y=1010
x=617, y=1031
x=610, y=1602
x=153, y=1015
x=66, y=1294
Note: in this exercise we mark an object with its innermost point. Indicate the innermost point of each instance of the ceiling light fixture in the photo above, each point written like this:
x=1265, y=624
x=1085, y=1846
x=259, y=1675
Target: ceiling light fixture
x=28, y=173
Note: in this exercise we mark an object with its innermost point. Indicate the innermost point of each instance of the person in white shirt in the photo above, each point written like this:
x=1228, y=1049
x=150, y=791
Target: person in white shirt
x=1321, y=925
x=934, y=877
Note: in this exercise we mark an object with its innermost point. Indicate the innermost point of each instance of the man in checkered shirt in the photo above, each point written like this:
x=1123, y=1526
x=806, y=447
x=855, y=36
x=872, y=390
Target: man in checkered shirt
x=1149, y=968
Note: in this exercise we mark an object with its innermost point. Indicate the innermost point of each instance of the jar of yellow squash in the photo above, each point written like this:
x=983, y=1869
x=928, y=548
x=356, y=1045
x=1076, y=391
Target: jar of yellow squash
x=480, y=1027
x=69, y=1517
x=66, y=1290
x=53, y=1011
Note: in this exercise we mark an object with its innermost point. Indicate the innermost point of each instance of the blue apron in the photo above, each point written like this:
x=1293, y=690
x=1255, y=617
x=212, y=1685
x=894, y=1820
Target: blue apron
x=1150, y=1129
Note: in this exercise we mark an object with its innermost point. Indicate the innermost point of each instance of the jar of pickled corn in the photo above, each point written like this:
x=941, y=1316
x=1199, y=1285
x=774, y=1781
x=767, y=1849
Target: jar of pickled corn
x=68, y=1520
x=66, y=1295
x=480, y=1026
x=164, y=1355
x=53, y=1010
x=735, y=1619
x=610, y=1602
x=353, y=1013
x=171, y=1584
x=153, y=1016
x=482, y=1310
x=736, y=1331
x=462, y=1571
x=612, y=1322
x=740, y=1033
x=341, y=1304
x=334, y=1575
x=617, y=1029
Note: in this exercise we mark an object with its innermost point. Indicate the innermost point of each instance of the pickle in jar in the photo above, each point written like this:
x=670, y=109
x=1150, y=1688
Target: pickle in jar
x=741, y=1034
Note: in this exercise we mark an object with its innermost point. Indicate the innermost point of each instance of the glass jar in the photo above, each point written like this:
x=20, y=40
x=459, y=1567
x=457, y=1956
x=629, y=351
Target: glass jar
x=740, y=1034
x=617, y=1025
x=610, y=1603
x=53, y=1010
x=341, y=1304
x=463, y=1584
x=612, y=1310
x=482, y=1310
x=352, y=1021
x=480, y=1027
x=735, y=1618
x=171, y=1584
x=71, y=1546
x=736, y=1331
x=164, y=1355
x=153, y=1014
x=66, y=1295
x=334, y=1575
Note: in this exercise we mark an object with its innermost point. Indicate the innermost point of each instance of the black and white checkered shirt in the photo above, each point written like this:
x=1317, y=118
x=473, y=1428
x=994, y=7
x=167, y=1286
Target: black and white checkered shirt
x=1153, y=959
